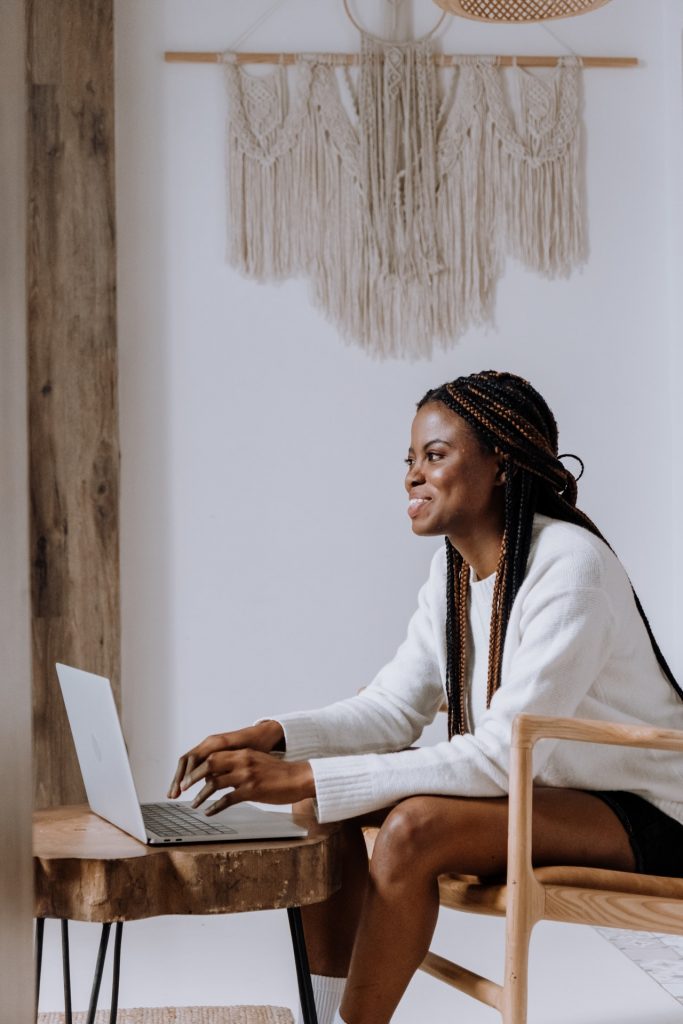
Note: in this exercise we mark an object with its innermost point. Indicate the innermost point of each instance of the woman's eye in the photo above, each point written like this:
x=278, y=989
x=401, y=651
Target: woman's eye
x=432, y=456
x=409, y=461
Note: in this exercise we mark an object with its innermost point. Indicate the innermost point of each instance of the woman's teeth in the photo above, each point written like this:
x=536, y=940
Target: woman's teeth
x=415, y=505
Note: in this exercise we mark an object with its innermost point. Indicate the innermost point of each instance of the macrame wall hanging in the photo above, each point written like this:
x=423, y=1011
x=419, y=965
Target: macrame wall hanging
x=401, y=206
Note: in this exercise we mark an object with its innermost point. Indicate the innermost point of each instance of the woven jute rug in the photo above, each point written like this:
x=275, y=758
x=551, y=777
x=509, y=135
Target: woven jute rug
x=184, y=1015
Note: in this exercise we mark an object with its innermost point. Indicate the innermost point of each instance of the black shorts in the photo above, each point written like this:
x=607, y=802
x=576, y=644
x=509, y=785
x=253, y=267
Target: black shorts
x=656, y=839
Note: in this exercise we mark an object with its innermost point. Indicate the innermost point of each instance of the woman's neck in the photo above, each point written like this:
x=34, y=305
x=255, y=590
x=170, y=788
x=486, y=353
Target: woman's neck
x=480, y=550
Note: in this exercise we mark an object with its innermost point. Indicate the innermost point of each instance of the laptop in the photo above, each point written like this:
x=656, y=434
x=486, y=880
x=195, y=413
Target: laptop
x=110, y=788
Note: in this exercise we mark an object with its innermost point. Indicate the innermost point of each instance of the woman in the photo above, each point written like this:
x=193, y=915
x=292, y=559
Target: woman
x=526, y=609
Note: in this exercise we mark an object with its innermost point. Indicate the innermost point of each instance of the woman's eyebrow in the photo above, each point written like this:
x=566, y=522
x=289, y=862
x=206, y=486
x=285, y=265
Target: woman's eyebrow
x=437, y=440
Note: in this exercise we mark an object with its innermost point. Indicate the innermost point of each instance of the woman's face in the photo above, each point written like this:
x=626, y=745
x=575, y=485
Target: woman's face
x=453, y=482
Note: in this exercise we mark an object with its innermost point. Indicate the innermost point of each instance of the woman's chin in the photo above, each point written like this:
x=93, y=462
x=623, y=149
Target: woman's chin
x=423, y=529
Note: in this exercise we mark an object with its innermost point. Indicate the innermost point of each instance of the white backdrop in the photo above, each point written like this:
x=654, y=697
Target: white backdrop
x=267, y=559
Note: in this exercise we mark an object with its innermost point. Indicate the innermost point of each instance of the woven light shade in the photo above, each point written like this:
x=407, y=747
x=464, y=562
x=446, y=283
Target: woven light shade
x=518, y=10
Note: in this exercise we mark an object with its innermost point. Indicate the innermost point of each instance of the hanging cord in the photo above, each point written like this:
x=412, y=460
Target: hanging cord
x=370, y=35
x=396, y=9
x=262, y=18
x=557, y=39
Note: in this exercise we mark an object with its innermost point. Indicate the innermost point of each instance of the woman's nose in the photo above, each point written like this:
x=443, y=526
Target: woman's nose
x=414, y=476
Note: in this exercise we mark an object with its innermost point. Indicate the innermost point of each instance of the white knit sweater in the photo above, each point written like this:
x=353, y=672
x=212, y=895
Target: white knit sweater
x=575, y=646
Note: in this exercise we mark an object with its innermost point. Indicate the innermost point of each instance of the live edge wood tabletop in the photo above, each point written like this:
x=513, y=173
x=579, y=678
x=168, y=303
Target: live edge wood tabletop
x=88, y=870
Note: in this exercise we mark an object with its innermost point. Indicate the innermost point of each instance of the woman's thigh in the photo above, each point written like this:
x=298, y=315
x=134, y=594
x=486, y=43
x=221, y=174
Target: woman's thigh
x=436, y=834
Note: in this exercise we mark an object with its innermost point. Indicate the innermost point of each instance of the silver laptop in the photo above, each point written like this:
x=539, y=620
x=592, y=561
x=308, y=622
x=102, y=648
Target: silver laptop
x=110, y=787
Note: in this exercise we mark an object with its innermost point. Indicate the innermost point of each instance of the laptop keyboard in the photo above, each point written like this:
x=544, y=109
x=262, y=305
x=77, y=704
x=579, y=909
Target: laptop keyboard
x=177, y=820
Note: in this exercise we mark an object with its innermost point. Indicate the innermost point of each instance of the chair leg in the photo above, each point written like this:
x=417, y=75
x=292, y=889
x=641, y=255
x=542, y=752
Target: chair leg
x=515, y=986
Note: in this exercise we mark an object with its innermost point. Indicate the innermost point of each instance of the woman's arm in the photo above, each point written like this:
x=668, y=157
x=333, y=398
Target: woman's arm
x=387, y=716
x=566, y=640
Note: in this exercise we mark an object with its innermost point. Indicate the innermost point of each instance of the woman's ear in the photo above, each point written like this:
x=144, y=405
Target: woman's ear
x=503, y=467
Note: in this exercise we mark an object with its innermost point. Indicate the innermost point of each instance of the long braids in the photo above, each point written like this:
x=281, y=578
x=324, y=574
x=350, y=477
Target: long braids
x=511, y=417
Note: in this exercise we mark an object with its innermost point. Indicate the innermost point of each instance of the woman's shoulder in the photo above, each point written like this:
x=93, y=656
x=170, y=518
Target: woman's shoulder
x=573, y=554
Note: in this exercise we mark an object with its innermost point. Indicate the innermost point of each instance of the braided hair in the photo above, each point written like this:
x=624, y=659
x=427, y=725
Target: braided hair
x=510, y=417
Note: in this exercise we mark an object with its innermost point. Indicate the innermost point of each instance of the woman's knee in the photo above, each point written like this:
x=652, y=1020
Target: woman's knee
x=404, y=843
x=424, y=837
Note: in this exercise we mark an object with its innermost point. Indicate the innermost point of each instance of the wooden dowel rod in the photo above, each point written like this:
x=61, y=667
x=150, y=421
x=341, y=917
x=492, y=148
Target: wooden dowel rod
x=444, y=60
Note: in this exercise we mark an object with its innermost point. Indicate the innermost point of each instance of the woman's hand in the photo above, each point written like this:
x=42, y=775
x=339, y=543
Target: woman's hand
x=264, y=737
x=253, y=776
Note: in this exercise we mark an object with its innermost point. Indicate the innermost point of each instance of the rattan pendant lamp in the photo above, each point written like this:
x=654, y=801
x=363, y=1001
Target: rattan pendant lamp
x=518, y=10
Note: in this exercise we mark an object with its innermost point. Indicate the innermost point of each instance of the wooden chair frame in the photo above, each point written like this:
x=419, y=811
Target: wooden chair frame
x=593, y=896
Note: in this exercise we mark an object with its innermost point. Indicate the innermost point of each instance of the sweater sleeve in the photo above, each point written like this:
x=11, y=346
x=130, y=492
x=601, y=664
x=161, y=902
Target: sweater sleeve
x=565, y=636
x=390, y=713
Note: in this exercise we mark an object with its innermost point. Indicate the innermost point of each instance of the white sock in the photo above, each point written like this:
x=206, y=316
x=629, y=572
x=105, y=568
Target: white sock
x=327, y=993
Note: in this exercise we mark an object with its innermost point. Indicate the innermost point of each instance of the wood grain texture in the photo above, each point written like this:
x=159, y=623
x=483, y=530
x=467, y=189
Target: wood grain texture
x=16, y=967
x=72, y=368
x=611, y=909
x=349, y=59
x=464, y=980
x=87, y=870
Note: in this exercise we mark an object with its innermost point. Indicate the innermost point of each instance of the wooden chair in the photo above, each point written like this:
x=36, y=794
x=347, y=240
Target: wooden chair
x=593, y=896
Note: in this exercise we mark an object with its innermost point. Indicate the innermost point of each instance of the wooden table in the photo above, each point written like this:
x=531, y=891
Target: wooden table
x=88, y=870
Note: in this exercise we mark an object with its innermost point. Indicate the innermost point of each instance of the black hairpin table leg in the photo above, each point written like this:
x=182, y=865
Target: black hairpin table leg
x=40, y=930
x=118, y=934
x=99, y=968
x=66, y=969
x=303, y=972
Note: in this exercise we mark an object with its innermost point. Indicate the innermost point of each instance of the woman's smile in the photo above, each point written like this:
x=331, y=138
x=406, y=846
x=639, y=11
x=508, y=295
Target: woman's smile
x=417, y=505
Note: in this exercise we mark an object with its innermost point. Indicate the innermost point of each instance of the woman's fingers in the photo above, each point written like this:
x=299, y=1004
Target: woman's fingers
x=227, y=800
x=185, y=765
x=189, y=761
x=181, y=771
x=262, y=737
x=205, y=792
x=214, y=783
x=252, y=775
x=213, y=764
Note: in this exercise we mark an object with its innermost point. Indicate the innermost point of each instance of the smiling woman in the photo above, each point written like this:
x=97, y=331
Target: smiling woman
x=526, y=609
x=455, y=486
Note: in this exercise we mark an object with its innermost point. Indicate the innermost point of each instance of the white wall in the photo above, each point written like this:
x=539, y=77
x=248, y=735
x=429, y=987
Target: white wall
x=267, y=558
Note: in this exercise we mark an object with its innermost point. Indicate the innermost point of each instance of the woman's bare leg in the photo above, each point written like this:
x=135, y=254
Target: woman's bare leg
x=426, y=836
x=330, y=927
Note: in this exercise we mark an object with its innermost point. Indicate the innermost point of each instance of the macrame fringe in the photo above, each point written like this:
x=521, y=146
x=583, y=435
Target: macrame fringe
x=402, y=219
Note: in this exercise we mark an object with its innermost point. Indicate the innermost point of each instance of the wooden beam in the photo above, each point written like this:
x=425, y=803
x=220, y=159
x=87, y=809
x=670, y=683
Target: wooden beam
x=16, y=877
x=72, y=367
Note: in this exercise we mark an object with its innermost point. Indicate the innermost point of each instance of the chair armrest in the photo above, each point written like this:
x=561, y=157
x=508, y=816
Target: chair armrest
x=528, y=729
